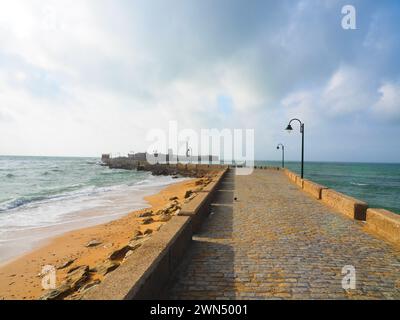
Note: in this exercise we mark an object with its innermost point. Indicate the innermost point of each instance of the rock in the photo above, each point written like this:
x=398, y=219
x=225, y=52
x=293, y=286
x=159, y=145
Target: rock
x=175, y=177
x=147, y=221
x=78, y=277
x=57, y=294
x=146, y=214
x=199, y=182
x=66, y=264
x=164, y=218
x=128, y=254
x=147, y=232
x=135, y=244
x=137, y=235
x=106, y=267
x=188, y=194
x=173, y=198
x=120, y=253
x=93, y=243
x=89, y=286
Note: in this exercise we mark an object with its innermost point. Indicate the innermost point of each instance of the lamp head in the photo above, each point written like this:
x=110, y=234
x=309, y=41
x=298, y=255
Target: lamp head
x=277, y=147
x=289, y=128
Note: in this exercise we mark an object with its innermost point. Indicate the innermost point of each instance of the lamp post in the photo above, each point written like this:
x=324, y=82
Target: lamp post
x=289, y=129
x=283, y=153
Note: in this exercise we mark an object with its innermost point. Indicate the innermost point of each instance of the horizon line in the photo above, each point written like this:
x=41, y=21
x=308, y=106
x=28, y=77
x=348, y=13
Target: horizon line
x=256, y=160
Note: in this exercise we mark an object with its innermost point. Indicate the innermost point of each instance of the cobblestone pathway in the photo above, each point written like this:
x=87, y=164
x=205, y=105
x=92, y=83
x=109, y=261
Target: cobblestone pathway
x=276, y=242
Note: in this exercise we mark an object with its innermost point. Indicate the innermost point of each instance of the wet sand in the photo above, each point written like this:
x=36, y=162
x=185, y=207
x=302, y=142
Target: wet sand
x=21, y=279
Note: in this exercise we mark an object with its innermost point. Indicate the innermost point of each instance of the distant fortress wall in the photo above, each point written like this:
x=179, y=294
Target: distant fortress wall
x=379, y=221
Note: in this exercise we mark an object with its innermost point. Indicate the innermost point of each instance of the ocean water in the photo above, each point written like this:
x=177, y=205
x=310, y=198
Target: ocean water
x=376, y=183
x=41, y=197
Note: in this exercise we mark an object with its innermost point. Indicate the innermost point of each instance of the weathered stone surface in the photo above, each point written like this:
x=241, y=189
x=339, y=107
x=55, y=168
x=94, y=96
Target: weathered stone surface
x=93, y=243
x=120, y=253
x=147, y=221
x=106, y=267
x=137, y=235
x=313, y=188
x=279, y=243
x=384, y=223
x=173, y=198
x=135, y=244
x=89, y=286
x=164, y=218
x=78, y=277
x=349, y=206
x=146, y=214
x=57, y=294
x=188, y=194
x=66, y=264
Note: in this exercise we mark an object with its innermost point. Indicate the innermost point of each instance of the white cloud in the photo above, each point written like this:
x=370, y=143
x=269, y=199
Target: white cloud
x=388, y=105
x=91, y=76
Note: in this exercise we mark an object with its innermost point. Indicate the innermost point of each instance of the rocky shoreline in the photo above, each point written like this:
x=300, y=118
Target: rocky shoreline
x=81, y=278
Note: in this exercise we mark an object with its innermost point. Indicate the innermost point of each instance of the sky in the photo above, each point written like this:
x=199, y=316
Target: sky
x=81, y=78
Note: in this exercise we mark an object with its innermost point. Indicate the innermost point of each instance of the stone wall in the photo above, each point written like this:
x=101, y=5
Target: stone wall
x=381, y=222
x=384, y=223
x=151, y=266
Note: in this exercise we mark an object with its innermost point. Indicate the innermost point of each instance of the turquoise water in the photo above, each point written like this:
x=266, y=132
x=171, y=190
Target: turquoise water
x=42, y=197
x=376, y=183
x=27, y=180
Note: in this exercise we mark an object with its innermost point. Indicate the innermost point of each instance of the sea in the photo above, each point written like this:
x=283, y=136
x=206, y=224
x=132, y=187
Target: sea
x=42, y=197
x=378, y=184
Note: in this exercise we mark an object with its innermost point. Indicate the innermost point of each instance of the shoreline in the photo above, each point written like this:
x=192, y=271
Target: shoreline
x=20, y=278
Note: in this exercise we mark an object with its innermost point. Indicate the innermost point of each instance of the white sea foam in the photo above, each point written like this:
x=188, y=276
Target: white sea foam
x=27, y=225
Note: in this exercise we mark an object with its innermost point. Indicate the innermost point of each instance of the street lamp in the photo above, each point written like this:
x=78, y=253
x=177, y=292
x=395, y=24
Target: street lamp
x=289, y=129
x=283, y=153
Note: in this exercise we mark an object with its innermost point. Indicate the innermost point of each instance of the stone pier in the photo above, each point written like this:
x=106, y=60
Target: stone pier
x=278, y=242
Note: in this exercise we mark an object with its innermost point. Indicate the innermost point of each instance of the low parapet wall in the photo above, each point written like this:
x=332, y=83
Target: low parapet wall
x=149, y=268
x=384, y=223
x=197, y=209
x=313, y=189
x=349, y=206
x=380, y=221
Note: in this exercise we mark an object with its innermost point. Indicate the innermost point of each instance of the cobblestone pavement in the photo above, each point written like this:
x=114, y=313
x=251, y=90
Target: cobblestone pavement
x=276, y=242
